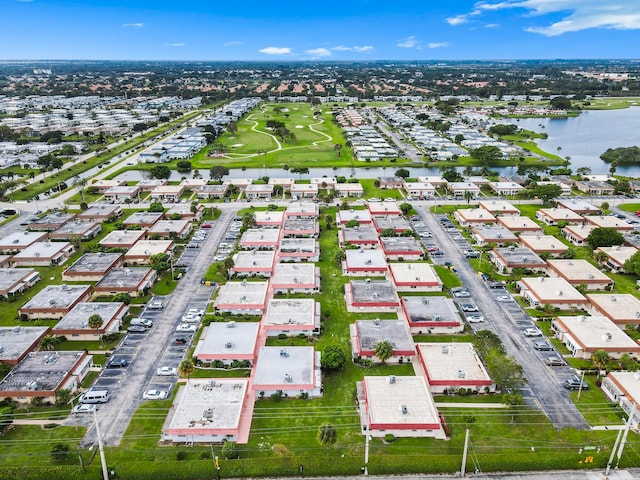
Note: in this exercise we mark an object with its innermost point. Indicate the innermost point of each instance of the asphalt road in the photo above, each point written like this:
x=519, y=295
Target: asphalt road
x=148, y=351
x=544, y=389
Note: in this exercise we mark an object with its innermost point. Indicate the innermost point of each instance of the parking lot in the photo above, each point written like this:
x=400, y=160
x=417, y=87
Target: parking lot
x=504, y=316
x=155, y=347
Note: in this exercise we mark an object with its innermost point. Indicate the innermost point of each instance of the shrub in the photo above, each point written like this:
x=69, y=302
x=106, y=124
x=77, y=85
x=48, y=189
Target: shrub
x=230, y=450
x=389, y=438
x=60, y=452
x=181, y=455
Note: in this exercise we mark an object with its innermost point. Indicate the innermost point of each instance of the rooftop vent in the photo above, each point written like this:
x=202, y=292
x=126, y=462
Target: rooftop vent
x=391, y=379
x=445, y=349
x=228, y=345
x=462, y=374
x=403, y=409
x=288, y=378
x=284, y=352
x=606, y=336
x=231, y=324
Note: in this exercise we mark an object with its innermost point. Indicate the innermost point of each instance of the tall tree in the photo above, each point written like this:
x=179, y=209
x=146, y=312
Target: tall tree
x=186, y=368
x=327, y=435
x=600, y=359
x=604, y=237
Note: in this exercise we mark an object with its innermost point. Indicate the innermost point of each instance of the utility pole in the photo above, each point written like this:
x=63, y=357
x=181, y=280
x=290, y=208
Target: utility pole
x=581, y=382
x=464, y=453
x=613, y=452
x=366, y=454
x=626, y=432
x=103, y=461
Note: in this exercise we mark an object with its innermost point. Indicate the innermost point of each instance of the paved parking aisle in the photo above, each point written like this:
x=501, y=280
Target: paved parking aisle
x=507, y=319
x=149, y=350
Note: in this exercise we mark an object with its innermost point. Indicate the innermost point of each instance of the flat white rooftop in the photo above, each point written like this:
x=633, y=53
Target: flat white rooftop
x=293, y=311
x=260, y=236
x=228, y=340
x=597, y=333
x=577, y=205
x=292, y=274
x=498, y=206
x=42, y=250
x=541, y=243
x=619, y=307
x=78, y=316
x=203, y=405
x=577, y=271
x=451, y=363
x=386, y=399
x=416, y=273
x=362, y=216
x=254, y=260
x=430, y=309
x=242, y=293
x=285, y=365
x=552, y=289
x=365, y=259
x=518, y=223
x=20, y=240
x=122, y=237
x=149, y=247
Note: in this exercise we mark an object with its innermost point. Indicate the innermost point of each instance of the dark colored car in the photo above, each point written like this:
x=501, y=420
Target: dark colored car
x=181, y=341
x=542, y=346
x=117, y=363
x=574, y=384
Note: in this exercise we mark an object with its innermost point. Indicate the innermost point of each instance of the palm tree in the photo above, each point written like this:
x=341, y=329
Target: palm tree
x=600, y=359
x=94, y=322
x=383, y=350
x=468, y=196
x=186, y=368
x=80, y=183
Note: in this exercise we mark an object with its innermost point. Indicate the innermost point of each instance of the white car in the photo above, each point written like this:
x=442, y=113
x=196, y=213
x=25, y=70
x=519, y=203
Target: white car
x=167, y=371
x=85, y=408
x=191, y=318
x=185, y=327
x=532, y=332
x=475, y=318
x=155, y=395
x=196, y=311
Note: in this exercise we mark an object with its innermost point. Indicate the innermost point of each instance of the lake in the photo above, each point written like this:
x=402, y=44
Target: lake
x=586, y=137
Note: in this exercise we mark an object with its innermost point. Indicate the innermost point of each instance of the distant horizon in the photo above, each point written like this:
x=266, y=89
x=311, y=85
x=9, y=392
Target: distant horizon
x=359, y=30
x=328, y=62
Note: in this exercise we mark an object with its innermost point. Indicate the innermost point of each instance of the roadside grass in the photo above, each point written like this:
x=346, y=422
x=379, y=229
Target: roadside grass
x=27, y=445
x=448, y=277
x=371, y=191
x=165, y=285
x=89, y=345
x=595, y=406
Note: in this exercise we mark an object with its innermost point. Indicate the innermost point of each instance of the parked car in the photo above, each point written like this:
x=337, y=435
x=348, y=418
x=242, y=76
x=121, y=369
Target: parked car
x=136, y=329
x=167, y=371
x=205, y=225
x=116, y=362
x=460, y=292
x=542, y=345
x=469, y=307
x=555, y=361
x=437, y=253
x=181, y=341
x=186, y=327
x=82, y=408
x=155, y=395
x=471, y=254
x=532, y=332
x=475, y=318
x=574, y=383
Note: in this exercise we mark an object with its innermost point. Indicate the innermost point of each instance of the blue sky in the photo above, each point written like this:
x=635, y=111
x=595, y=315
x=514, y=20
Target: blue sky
x=326, y=30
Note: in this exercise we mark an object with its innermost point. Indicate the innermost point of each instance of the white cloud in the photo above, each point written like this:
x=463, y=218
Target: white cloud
x=408, y=42
x=492, y=25
x=319, y=52
x=437, y=44
x=457, y=20
x=276, y=51
x=24, y=1
x=176, y=44
x=232, y=43
x=577, y=15
x=356, y=48
x=133, y=25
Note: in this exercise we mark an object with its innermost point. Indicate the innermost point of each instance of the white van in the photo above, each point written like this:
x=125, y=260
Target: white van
x=95, y=396
x=143, y=322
